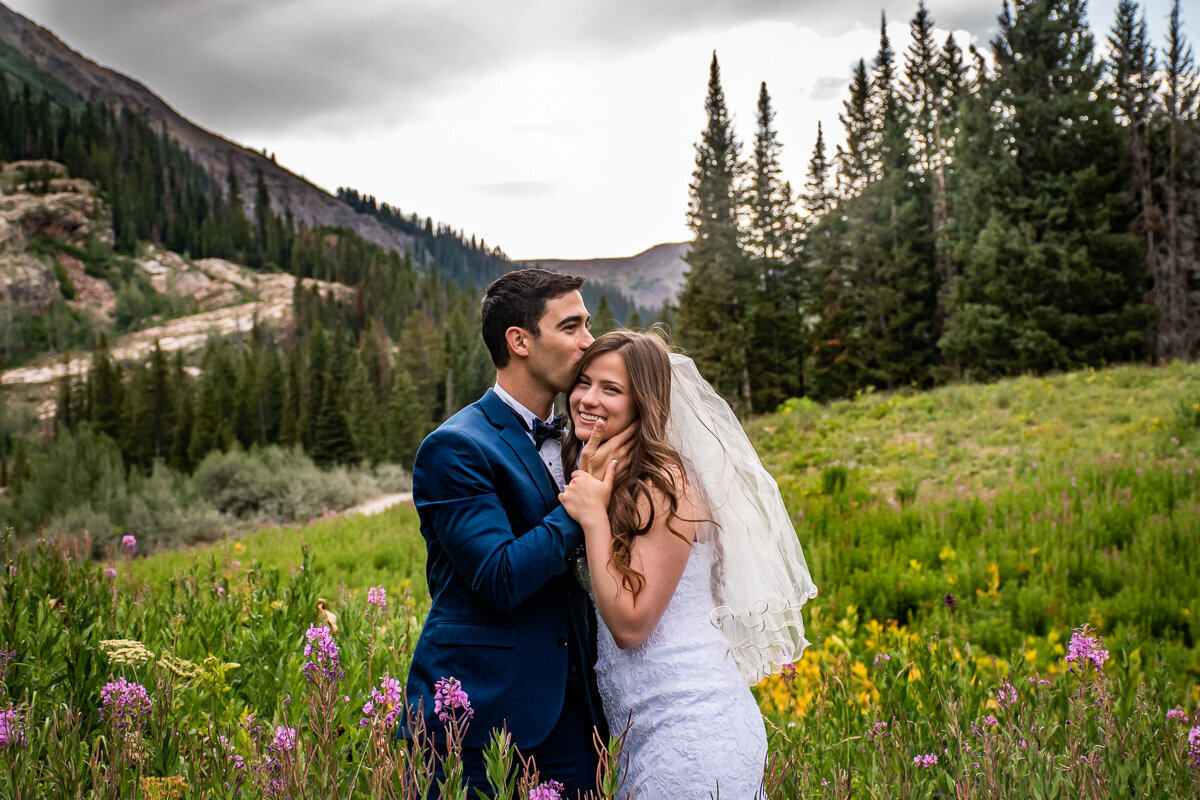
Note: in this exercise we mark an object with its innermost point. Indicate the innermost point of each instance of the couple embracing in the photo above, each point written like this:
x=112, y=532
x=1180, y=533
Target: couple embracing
x=635, y=567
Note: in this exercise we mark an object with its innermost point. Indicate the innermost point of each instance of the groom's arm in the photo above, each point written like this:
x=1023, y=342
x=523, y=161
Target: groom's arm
x=454, y=490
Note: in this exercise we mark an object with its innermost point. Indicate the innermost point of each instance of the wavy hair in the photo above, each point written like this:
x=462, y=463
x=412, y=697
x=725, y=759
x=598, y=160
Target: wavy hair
x=651, y=465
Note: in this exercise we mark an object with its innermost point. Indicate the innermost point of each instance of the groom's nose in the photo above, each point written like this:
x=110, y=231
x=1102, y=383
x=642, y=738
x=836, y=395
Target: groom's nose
x=586, y=340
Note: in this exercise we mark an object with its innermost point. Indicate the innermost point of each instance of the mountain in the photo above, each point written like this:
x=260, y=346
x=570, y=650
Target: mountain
x=649, y=278
x=34, y=55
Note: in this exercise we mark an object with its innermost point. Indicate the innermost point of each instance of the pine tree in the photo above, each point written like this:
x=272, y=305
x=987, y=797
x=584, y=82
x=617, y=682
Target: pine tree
x=1175, y=294
x=1051, y=279
x=712, y=314
x=333, y=442
x=778, y=293
x=602, y=320
x=407, y=422
x=854, y=163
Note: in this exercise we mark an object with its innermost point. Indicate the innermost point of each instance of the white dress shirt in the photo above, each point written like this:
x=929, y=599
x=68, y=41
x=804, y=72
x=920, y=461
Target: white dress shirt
x=551, y=452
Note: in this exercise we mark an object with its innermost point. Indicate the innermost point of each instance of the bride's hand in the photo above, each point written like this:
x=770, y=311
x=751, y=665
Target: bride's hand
x=586, y=498
x=595, y=456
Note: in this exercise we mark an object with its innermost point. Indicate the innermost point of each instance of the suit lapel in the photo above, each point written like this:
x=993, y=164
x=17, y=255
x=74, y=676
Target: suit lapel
x=513, y=433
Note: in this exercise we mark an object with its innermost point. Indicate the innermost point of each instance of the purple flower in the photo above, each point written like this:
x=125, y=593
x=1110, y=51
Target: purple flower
x=950, y=602
x=1194, y=746
x=129, y=544
x=1006, y=695
x=448, y=697
x=546, y=790
x=1177, y=713
x=124, y=704
x=377, y=596
x=926, y=760
x=110, y=572
x=881, y=658
x=12, y=732
x=322, y=654
x=989, y=720
x=385, y=704
x=284, y=740
x=1085, y=648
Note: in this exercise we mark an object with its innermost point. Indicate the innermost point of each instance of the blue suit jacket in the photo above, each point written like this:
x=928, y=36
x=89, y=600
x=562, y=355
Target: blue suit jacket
x=505, y=607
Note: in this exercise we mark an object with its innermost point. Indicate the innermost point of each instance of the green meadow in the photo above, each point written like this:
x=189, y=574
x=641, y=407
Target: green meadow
x=961, y=539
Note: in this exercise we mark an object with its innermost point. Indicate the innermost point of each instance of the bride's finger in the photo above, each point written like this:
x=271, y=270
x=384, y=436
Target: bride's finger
x=593, y=444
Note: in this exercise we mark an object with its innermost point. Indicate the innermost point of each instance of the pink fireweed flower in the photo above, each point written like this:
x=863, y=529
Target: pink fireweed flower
x=110, y=572
x=1177, y=713
x=882, y=658
x=384, y=706
x=546, y=790
x=1085, y=648
x=377, y=596
x=322, y=654
x=12, y=732
x=926, y=760
x=284, y=740
x=1194, y=746
x=129, y=544
x=124, y=704
x=1006, y=695
x=448, y=697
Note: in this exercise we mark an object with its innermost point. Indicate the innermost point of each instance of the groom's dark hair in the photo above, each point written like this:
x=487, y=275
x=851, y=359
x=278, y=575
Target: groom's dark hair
x=519, y=299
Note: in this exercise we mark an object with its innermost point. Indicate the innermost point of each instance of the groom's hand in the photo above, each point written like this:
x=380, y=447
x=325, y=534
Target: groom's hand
x=596, y=456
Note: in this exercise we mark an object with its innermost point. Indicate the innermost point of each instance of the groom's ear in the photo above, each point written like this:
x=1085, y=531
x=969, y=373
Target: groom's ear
x=518, y=341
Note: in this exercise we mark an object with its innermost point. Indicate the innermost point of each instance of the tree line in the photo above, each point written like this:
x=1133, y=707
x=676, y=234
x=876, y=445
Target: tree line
x=1036, y=210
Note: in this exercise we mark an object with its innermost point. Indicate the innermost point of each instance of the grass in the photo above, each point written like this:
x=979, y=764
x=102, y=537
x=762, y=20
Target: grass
x=960, y=538
x=349, y=553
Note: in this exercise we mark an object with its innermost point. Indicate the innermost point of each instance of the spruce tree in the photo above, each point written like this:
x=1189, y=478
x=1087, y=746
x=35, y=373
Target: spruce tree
x=1051, y=279
x=712, y=313
x=1176, y=290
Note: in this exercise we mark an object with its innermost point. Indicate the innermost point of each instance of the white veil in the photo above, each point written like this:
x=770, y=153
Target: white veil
x=760, y=580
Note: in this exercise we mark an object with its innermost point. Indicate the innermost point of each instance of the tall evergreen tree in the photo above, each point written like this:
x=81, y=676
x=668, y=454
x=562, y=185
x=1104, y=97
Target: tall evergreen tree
x=1052, y=278
x=1176, y=288
x=712, y=316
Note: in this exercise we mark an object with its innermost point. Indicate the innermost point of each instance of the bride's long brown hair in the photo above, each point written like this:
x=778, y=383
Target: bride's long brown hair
x=651, y=465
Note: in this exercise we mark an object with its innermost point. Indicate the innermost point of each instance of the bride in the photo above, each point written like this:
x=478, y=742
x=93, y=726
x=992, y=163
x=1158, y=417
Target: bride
x=694, y=567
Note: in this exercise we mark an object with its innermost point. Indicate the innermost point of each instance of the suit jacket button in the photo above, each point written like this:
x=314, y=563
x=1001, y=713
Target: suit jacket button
x=562, y=641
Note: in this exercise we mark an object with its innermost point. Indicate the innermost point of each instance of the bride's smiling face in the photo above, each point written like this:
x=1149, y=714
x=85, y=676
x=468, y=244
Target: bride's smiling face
x=602, y=392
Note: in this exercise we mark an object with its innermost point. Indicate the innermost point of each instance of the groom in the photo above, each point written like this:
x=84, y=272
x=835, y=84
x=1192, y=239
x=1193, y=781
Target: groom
x=507, y=618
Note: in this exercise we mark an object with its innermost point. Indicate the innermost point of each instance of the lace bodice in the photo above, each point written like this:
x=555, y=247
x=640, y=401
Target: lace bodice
x=688, y=702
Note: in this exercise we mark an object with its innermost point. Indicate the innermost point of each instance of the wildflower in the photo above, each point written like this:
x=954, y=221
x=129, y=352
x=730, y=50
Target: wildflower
x=322, y=654
x=950, y=601
x=11, y=730
x=989, y=720
x=1194, y=746
x=235, y=564
x=926, y=760
x=547, y=790
x=284, y=740
x=1085, y=648
x=110, y=572
x=384, y=706
x=879, y=730
x=377, y=596
x=1006, y=695
x=124, y=703
x=129, y=544
x=449, y=696
x=1177, y=713
x=881, y=658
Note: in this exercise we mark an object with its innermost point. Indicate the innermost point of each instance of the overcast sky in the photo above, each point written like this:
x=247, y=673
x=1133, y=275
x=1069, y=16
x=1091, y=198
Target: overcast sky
x=552, y=128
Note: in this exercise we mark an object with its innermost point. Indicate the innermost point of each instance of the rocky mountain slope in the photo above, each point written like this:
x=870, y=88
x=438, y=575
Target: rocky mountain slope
x=27, y=48
x=649, y=278
x=230, y=298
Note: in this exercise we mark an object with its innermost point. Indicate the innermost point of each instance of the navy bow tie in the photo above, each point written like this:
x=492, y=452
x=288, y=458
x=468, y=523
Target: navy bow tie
x=548, y=430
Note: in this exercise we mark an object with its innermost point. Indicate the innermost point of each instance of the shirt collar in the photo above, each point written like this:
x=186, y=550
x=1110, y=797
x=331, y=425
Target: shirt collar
x=524, y=413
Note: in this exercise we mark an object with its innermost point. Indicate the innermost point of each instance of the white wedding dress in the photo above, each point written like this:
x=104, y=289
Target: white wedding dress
x=696, y=730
